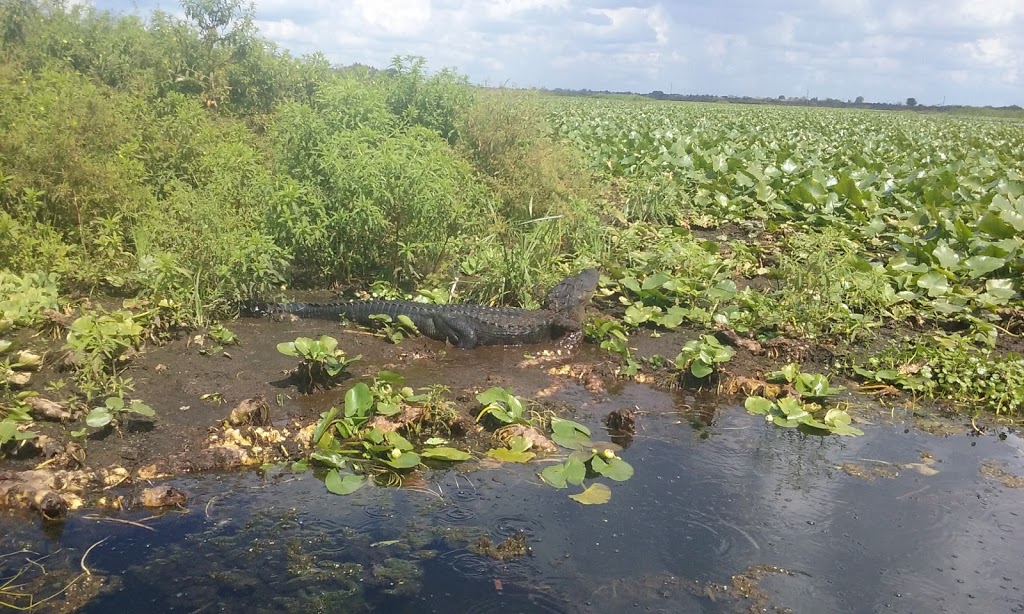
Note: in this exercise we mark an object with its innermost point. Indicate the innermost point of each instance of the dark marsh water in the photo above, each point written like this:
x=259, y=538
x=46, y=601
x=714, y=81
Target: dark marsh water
x=706, y=503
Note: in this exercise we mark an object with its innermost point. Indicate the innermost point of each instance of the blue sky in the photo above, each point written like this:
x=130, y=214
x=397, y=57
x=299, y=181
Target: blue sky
x=957, y=51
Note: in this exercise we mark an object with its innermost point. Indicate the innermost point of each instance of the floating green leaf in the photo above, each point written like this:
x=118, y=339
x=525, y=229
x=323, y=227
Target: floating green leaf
x=343, y=484
x=446, y=453
x=595, y=494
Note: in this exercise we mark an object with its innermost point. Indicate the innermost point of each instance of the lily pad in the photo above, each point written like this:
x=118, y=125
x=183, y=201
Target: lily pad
x=560, y=476
x=343, y=484
x=446, y=453
x=595, y=494
x=615, y=469
x=407, y=460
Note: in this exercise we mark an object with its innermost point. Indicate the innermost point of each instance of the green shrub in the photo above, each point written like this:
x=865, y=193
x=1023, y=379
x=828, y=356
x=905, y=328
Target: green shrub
x=369, y=204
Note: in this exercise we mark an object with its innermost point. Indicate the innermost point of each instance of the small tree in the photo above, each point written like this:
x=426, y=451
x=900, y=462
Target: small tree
x=911, y=102
x=860, y=100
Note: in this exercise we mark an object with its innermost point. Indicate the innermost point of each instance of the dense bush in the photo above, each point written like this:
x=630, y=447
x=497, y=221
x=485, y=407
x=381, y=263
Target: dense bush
x=189, y=159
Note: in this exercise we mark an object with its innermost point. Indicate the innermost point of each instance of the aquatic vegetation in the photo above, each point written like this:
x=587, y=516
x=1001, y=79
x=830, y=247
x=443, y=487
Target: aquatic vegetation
x=397, y=329
x=12, y=426
x=517, y=451
x=24, y=298
x=322, y=361
x=950, y=367
x=503, y=406
x=790, y=412
x=812, y=386
x=363, y=437
x=612, y=336
x=222, y=335
x=702, y=357
x=115, y=411
x=101, y=344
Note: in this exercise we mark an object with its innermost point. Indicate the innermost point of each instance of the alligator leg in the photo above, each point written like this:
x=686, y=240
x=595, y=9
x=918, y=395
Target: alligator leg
x=458, y=332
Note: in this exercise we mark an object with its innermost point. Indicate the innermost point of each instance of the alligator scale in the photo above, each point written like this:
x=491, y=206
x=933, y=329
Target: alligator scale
x=467, y=326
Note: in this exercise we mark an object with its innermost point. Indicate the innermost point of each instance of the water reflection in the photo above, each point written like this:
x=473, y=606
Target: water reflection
x=699, y=511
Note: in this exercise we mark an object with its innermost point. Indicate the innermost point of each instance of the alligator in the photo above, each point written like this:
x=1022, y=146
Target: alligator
x=462, y=325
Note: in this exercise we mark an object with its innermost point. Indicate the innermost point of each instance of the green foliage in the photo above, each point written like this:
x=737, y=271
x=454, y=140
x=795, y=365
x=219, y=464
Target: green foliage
x=503, y=406
x=343, y=439
x=702, y=356
x=14, y=417
x=395, y=329
x=813, y=386
x=611, y=335
x=222, y=335
x=436, y=102
x=951, y=368
x=789, y=412
x=517, y=451
x=895, y=212
x=101, y=343
x=369, y=203
x=541, y=213
x=588, y=459
x=114, y=411
x=322, y=361
x=24, y=298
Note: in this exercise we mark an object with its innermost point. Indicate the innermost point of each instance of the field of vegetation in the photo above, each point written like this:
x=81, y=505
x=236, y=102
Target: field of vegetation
x=153, y=174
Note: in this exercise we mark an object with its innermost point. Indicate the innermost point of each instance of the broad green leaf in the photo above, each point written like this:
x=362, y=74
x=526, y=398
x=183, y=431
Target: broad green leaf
x=99, y=417
x=554, y=475
x=141, y=408
x=396, y=440
x=324, y=424
x=287, y=348
x=407, y=460
x=595, y=494
x=981, y=265
x=700, y=369
x=303, y=345
x=390, y=377
x=947, y=258
x=446, y=453
x=343, y=484
x=407, y=322
x=331, y=459
x=328, y=344
x=758, y=405
x=656, y=281
x=510, y=456
x=934, y=282
x=562, y=425
x=575, y=441
x=491, y=395
x=998, y=226
x=617, y=469
x=358, y=399
x=1000, y=288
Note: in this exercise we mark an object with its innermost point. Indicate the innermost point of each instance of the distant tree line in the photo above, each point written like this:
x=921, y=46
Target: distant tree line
x=858, y=103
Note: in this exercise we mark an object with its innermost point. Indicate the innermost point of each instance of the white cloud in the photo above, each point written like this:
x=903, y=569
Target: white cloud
x=996, y=53
x=991, y=13
x=968, y=51
x=394, y=17
x=503, y=9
